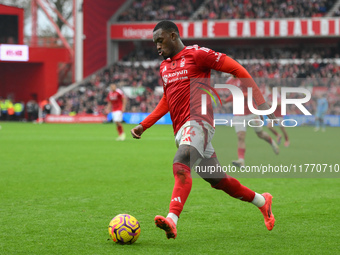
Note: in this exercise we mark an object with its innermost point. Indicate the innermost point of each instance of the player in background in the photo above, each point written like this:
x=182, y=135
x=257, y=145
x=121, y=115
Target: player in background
x=321, y=110
x=194, y=132
x=116, y=104
x=240, y=123
x=279, y=117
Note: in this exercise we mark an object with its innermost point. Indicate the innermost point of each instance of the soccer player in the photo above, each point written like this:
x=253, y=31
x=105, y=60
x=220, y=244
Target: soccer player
x=240, y=123
x=321, y=110
x=116, y=104
x=278, y=115
x=194, y=131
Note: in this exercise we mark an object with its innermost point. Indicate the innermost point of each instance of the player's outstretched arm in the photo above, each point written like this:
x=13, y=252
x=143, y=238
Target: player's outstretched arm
x=160, y=110
x=233, y=67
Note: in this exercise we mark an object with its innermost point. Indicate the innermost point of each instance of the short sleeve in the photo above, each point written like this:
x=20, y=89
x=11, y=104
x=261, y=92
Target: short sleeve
x=209, y=59
x=120, y=92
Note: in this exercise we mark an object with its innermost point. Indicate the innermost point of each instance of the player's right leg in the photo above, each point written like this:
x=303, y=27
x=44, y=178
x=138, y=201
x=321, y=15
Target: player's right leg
x=241, y=148
x=286, y=144
x=323, y=123
x=182, y=187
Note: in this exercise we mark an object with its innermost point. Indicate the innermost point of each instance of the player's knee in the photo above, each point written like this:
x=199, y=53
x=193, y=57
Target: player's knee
x=229, y=185
x=181, y=172
x=241, y=136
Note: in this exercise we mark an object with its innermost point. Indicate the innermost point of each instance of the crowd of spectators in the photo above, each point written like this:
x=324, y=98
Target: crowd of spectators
x=302, y=52
x=90, y=98
x=263, y=9
x=150, y=10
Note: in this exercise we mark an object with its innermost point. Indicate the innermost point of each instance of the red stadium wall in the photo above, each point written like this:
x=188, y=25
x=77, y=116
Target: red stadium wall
x=38, y=76
x=9, y=10
x=96, y=15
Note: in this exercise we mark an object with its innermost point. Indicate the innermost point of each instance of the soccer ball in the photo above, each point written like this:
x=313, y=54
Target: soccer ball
x=124, y=229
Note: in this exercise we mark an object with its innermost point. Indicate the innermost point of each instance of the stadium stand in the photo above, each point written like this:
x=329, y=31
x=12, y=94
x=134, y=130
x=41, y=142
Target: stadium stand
x=145, y=81
x=148, y=10
x=229, y=9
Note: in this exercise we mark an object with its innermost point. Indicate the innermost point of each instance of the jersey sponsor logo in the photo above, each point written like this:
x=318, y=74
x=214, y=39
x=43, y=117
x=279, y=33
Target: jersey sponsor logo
x=173, y=64
x=177, y=73
x=182, y=64
x=164, y=69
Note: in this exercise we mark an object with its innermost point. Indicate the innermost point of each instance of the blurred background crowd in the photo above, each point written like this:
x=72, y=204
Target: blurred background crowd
x=137, y=74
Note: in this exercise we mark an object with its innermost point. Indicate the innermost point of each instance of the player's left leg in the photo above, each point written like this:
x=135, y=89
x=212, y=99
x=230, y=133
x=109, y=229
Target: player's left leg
x=240, y=129
x=121, y=134
x=118, y=118
x=323, y=123
x=231, y=186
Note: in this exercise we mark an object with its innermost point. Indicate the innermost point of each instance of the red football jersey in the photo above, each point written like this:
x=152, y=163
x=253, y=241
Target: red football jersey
x=116, y=99
x=192, y=65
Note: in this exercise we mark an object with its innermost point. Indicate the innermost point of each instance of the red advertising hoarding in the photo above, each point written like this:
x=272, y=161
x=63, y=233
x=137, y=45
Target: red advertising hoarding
x=88, y=118
x=235, y=29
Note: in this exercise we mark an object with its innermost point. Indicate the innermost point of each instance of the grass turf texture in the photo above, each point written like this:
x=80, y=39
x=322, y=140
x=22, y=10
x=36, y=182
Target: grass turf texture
x=60, y=185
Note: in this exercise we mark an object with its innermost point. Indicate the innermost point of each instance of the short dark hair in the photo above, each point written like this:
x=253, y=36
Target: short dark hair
x=167, y=25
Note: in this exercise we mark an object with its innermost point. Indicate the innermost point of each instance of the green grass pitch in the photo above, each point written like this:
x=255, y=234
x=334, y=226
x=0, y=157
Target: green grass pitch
x=60, y=185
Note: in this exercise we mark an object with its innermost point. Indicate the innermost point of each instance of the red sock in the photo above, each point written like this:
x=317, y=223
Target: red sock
x=120, y=129
x=234, y=188
x=183, y=183
x=241, y=152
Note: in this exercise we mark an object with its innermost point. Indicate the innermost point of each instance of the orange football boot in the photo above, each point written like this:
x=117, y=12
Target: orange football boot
x=266, y=210
x=168, y=225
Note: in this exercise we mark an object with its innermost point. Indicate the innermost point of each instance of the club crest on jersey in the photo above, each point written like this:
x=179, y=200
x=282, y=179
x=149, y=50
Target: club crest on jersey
x=173, y=64
x=182, y=62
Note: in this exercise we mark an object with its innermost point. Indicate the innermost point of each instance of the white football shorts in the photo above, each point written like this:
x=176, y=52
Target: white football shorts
x=197, y=134
x=117, y=116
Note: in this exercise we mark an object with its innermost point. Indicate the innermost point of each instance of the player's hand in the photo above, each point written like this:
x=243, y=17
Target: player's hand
x=137, y=131
x=265, y=106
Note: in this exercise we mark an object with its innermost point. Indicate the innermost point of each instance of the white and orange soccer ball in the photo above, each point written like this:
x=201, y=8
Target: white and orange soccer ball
x=124, y=229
